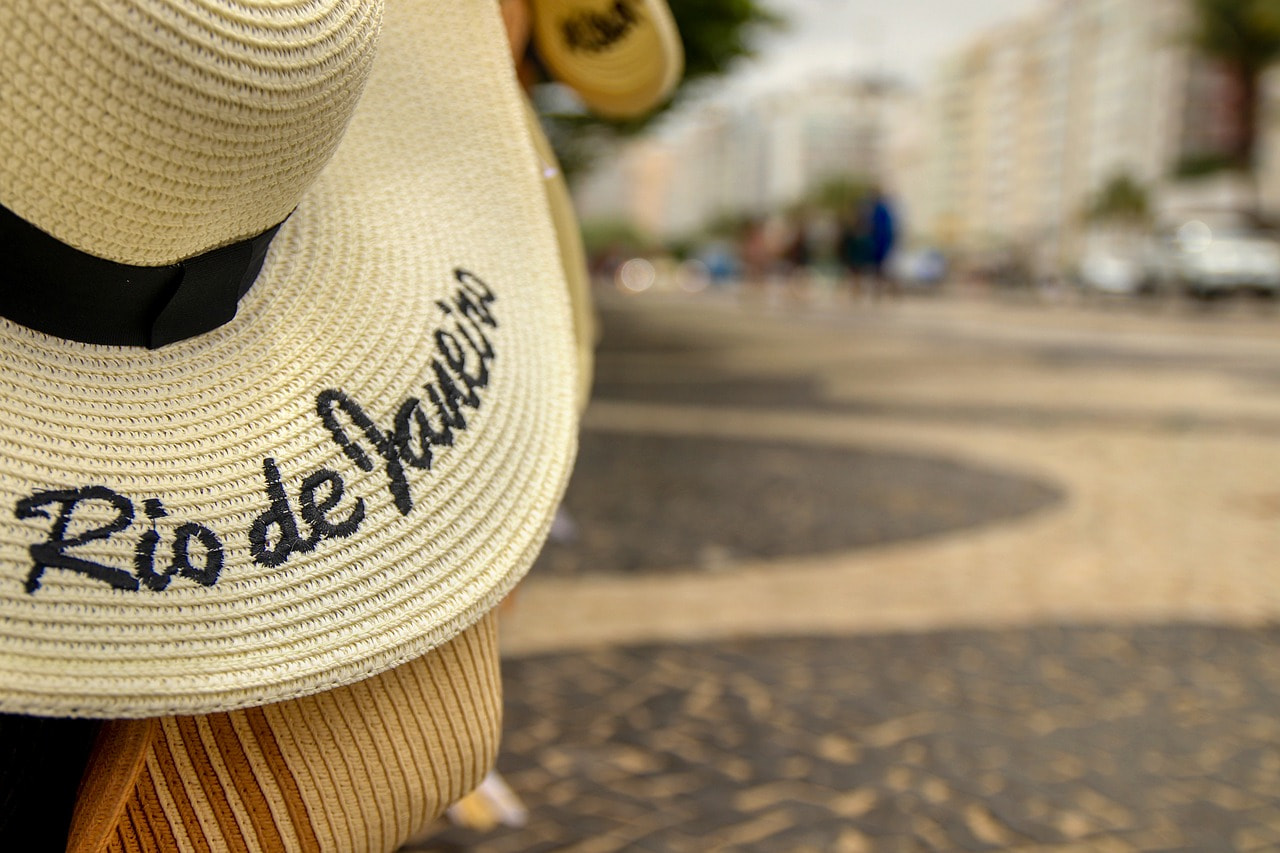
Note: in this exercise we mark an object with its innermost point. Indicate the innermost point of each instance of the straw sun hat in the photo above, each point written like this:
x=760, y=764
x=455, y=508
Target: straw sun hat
x=286, y=368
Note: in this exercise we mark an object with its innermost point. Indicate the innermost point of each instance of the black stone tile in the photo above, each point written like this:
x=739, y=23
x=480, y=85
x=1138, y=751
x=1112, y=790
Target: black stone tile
x=625, y=487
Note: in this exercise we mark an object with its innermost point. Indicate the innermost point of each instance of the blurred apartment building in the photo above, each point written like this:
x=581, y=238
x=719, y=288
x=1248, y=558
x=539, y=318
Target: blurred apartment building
x=1023, y=127
x=1002, y=149
x=753, y=158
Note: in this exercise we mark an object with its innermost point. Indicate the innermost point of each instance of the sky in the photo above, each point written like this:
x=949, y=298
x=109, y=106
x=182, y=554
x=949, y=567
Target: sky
x=905, y=38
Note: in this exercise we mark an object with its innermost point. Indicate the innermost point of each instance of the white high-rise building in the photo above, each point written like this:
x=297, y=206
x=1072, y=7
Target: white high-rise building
x=1004, y=149
x=747, y=160
x=1031, y=120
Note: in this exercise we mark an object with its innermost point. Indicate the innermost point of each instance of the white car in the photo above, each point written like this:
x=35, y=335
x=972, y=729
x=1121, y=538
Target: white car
x=1112, y=273
x=1208, y=261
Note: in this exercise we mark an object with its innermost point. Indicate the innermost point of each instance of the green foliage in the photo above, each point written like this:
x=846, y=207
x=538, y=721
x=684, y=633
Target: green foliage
x=727, y=225
x=839, y=195
x=717, y=33
x=1121, y=199
x=1244, y=33
x=600, y=235
x=1199, y=165
x=681, y=250
x=1243, y=37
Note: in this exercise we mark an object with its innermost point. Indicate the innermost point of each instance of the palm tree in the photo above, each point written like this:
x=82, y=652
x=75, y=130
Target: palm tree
x=1243, y=36
x=1121, y=200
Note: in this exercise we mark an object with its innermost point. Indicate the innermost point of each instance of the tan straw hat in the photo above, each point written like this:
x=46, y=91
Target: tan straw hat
x=359, y=768
x=242, y=463
x=622, y=57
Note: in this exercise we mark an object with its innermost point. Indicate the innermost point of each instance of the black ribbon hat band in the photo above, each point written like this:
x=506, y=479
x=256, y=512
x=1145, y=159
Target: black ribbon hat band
x=54, y=288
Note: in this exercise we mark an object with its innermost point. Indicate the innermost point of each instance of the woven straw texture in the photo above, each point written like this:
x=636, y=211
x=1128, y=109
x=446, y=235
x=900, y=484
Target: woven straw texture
x=145, y=132
x=359, y=769
x=432, y=203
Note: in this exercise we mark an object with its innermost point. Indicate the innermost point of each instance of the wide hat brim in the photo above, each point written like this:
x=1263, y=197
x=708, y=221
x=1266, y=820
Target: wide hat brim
x=346, y=475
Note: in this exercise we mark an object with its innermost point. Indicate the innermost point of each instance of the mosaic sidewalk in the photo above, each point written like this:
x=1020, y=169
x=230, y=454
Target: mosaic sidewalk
x=936, y=576
x=1161, y=738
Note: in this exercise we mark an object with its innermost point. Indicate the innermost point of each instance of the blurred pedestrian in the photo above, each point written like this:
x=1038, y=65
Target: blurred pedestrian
x=881, y=237
x=855, y=246
x=798, y=257
x=756, y=252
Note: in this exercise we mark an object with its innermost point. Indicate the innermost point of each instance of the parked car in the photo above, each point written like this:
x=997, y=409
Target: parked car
x=1207, y=261
x=918, y=267
x=1106, y=272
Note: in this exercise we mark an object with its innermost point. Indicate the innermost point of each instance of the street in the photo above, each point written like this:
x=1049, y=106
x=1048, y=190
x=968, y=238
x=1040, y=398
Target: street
x=958, y=572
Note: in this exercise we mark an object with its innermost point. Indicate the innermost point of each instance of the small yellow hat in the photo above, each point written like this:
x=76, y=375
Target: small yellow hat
x=622, y=57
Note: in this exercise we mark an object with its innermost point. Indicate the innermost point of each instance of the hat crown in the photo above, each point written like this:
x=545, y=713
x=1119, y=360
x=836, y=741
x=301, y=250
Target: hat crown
x=149, y=131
